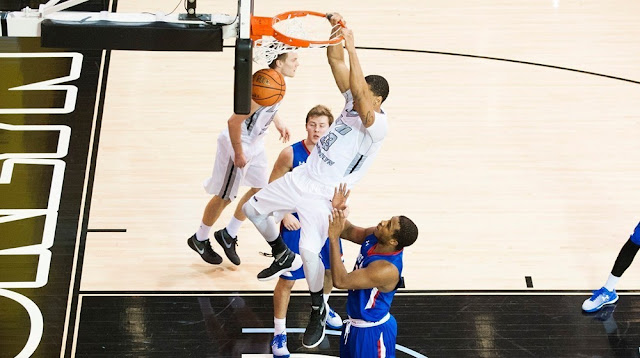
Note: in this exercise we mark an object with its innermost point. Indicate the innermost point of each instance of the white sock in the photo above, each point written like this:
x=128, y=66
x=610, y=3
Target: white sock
x=203, y=232
x=326, y=297
x=279, y=326
x=612, y=281
x=233, y=226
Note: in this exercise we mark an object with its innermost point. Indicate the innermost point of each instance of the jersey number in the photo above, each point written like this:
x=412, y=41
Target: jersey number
x=330, y=138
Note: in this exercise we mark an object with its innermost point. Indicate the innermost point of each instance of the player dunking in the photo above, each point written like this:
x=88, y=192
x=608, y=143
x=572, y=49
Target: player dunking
x=240, y=159
x=342, y=155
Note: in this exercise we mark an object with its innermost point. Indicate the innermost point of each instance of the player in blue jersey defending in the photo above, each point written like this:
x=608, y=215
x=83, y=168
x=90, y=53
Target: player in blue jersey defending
x=318, y=120
x=370, y=331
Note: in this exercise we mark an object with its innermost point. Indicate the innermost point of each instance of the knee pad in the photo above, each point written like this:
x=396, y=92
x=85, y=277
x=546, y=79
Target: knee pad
x=249, y=210
x=309, y=256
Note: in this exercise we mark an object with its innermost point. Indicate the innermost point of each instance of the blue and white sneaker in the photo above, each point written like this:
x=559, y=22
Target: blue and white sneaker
x=599, y=299
x=279, y=346
x=334, y=321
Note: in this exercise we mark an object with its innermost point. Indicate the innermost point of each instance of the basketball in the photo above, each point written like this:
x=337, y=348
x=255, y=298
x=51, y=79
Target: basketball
x=268, y=87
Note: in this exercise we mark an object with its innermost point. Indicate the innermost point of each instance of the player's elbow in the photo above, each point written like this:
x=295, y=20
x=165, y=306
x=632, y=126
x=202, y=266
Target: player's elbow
x=339, y=285
x=339, y=282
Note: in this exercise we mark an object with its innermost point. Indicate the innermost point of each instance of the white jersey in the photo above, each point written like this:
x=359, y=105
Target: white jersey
x=255, y=126
x=346, y=152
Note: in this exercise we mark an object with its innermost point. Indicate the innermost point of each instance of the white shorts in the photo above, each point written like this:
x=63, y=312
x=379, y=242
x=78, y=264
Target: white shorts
x=297, y=192
x=226, y=178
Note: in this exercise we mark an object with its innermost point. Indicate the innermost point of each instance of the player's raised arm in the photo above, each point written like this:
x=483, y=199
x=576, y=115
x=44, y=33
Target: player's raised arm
x=335, y=55
x=346, y=230
x=378, y=274
x=363, y=99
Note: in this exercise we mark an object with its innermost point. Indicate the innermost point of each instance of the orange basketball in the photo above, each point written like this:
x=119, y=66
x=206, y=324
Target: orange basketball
x=268, y=87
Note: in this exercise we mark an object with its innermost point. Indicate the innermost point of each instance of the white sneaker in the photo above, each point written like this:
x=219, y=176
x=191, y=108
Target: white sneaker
x=279, y=346
x=600, y=298
x=334, y=321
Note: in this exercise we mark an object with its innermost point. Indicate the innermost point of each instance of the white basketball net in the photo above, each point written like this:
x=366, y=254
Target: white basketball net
x=309, y=27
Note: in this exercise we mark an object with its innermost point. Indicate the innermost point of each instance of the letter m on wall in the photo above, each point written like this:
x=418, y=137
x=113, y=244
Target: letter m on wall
x=36, y=83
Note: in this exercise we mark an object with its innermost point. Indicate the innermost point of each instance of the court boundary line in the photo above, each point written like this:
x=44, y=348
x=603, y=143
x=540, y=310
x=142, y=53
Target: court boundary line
x=68, y=346
x=344, y=293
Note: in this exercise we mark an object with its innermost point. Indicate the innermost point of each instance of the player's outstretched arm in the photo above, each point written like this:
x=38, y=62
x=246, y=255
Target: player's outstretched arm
x=335, y=55
x=362, y=95
x=381, y=274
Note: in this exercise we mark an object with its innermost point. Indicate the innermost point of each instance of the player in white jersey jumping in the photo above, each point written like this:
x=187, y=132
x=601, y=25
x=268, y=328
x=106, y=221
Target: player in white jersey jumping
x=342, y=155
x=240, y=159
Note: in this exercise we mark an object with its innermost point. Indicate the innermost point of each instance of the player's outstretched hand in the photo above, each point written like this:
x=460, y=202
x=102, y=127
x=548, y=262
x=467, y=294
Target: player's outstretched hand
x=340, y=196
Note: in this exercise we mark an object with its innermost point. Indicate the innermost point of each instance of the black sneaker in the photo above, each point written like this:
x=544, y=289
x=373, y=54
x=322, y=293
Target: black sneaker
x=204, y=249
x=289, y=261
x=229, y=244
x=314, y=334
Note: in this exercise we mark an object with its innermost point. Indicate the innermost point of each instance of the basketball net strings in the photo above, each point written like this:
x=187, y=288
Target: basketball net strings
x=267, y=49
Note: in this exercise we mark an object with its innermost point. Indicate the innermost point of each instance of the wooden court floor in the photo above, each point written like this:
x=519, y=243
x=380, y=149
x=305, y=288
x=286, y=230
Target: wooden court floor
x=513, y=145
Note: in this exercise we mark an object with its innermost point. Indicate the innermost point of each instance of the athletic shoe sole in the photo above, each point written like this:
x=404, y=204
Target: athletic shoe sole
x=598, y=308
x=317, y=343
x=193, y=247
x=296, y=264
x=321, y=337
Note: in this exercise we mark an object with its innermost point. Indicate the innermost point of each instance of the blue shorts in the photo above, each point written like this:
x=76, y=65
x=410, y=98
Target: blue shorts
x=635, y=237
x=292, y=239
x=370, y=342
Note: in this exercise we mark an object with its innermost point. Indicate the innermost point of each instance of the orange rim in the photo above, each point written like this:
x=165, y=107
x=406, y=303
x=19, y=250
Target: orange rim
x=263, y=26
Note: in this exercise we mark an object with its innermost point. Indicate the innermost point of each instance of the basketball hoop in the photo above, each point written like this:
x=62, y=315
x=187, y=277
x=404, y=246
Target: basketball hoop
x=289, y=31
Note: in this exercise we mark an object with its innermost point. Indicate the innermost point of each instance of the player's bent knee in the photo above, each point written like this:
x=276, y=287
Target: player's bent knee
x=310, y=256
x=250, y=211
x=310, y=246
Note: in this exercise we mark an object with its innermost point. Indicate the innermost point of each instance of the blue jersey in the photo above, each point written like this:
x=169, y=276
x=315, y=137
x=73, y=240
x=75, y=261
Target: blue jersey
x=300, y=153
x=370, y=304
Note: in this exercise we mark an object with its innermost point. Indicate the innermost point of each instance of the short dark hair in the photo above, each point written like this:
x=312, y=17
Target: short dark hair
x=281, y=57
x=318, y=111
x=406, y=234
x=378, y=85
